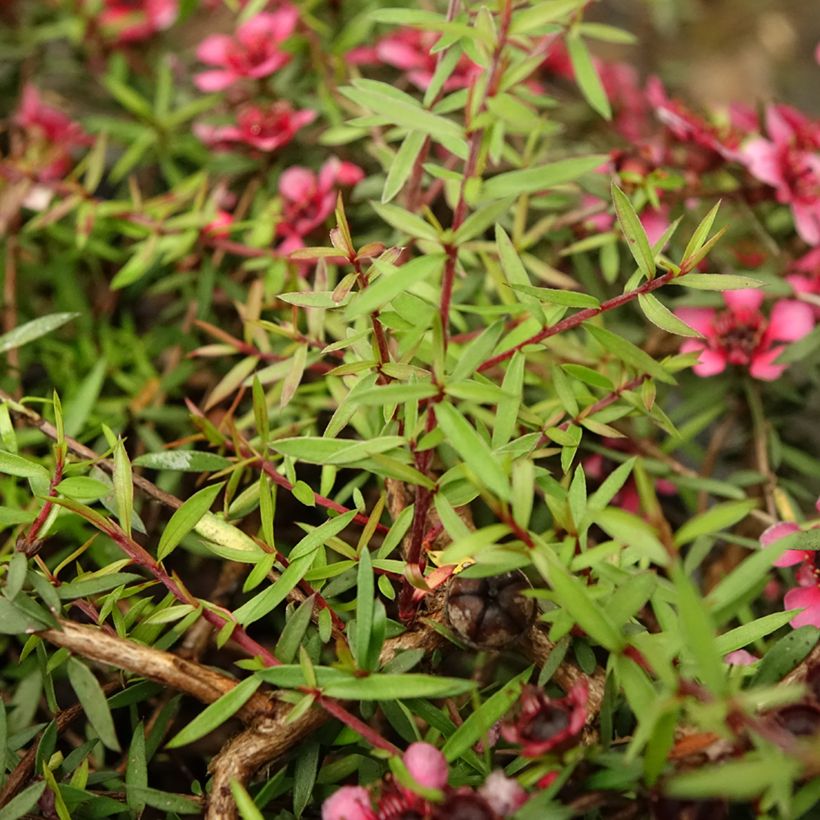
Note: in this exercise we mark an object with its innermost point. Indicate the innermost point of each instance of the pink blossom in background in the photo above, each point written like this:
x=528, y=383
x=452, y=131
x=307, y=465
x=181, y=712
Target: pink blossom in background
x=51, y=135
x=409, y=50
x=265, y=129
x=804, y=277
x=427, y=765
x=742, y=335
x=740, y=657
x=253, y=52
x=789, y=162
x=655, y=221
x=309, y=198
x=348, y=803
x=130, y=21
x=504, y=794
x=220, y=226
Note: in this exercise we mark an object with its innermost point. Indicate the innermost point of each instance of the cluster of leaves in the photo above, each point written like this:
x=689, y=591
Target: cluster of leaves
x=272, y=463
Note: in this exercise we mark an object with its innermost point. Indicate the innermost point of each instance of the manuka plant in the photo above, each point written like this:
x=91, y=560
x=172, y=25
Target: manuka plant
x=405, y=414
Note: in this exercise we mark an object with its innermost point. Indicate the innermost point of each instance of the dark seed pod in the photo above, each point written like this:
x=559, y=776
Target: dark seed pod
x=490, y=613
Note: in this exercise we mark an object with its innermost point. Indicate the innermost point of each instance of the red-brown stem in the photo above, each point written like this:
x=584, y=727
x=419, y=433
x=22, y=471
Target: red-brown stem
x=580, y=317
x=333, y=707
x=378, y=330
x=26, y=544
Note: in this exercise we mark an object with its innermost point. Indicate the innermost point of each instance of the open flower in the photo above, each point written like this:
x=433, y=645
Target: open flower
x=742, y=335
x=252, y=52
x=130, y=21
x=265, y=129
x=50, y=135
x=790, y=163
x=544, y=725
x=309, y=198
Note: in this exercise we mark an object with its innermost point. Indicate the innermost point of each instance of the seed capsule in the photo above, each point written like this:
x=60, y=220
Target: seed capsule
x=490, y=613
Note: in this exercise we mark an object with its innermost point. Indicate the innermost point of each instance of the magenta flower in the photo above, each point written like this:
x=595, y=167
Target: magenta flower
x=253, y=52
x=51, y=135
x=129, y=21
x=742, y=335
x=427, y=765
x=409, y=50
x=265, y=129
x=789, y=162
x=544, y=725
x=348, y=803
x=310, y=198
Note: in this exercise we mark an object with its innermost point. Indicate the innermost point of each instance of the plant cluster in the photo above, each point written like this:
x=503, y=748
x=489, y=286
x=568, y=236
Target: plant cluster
x=406, y=413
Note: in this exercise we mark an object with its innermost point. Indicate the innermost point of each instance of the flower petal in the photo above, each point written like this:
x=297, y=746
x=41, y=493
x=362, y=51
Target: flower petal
x=763, y=367
x=744, y=299
x=807, y=599
x=790, y=320
x=711, y=363
x=700, y=319
x=213, y=50
x=214, y=80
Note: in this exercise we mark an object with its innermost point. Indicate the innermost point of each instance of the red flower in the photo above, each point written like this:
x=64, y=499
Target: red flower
x=252, y=52
x=310, y=198
x=50, y=134
x=790, y=163
x=741, y=335
x=129, y=21
x=544, y=725
x=409, y=49
x=265, y=129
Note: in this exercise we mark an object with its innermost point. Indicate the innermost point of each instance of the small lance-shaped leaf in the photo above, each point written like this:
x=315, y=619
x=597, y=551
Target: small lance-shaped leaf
x=480, y=721
x=701, y=233
x=24, y=802
x=216, y=713
x=364, y=607
x=533, y=16
x=186, y=461
x=402, y=164
x=785, y=655
x=226, y=540
x=300, y=558
x=629, y=353
x=34, y=329
x=633, y=232
x=572, y=595
x=136, y=775
x=123, y=487
x=294, y=376
x=294, y=630
x=586, y=75
x=716, y=281
x=530, y=180
x=660, y=316
x=92, y=699
x=717, y=518
x=736, y=780
x=185, y=519
x=698, y=633
x=12, y=464
x=473, y=449
x=14, y=621
x=244, y=802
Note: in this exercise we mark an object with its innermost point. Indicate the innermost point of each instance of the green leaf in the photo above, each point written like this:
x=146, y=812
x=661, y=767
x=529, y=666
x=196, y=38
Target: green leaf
x=629, y=353
x=185, y=519
x=12, y=464
x=338, y=684
x=611, y=485
x=28, y=332
x=632, y=532
x=716, y=518
x=784, y=656
x=402, y=164
x=92, y=699
x=736, y=780
x=396, y=393
x=365, y=599
x=716, y=281
x=186, y=461
x=392, y=282
x=301, y=557
x=294, y=631
x=541, y=178
x=532, y=17
x=481, y=720
x=24, y=802
x=405, y=221
x=214, y=715
x=136, y=774
x=165, y=801
x=88, y=587
x=701, y=233
x=83, y=488
x=662, y=317
x=750, y=633
x=15, y=621
x=572, y=595
x=633, y=232
x=476, y=453
x=226, y=540
x=319, y=450
x=586, y=75
x=304, y=775
x=698, y=633
x=244, y=802
x=123, y=487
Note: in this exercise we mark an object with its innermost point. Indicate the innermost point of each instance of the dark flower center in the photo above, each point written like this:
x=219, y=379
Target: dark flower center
x=739, y=334
x=549, y=722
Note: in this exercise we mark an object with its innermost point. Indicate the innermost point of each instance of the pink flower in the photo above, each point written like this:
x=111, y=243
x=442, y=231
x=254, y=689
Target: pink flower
x=789, y=162
x=348, y=803
x=310, y=198
x=544, y=724
x=805, y=278
x=50, y=134
x=409, y=49
x=264, y=129
x=655, y=222
x=740, y=657
x=781, y=530
x=252, y=52
x=427, y=765
x=805, y=597
x=220, y=226
x=741, y=335
x=129, y=21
